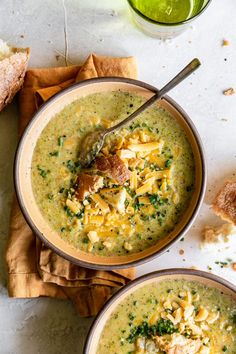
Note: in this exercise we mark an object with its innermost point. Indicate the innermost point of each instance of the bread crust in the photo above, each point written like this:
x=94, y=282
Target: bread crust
x=224, y=204
x=87, y=184
x=12, y=72
x=114, y=167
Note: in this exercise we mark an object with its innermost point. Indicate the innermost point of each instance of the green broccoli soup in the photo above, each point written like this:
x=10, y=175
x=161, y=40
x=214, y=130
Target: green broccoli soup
x=135, y=191
x=171, y=317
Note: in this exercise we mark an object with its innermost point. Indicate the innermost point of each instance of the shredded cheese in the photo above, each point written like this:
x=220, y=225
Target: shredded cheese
x=100, y=202
x=159, y=174
x=145, y=147
x=146, y=187
x=126, y=154
x=74, y=207
x=144, y=200
x=133, y=180
x=96, y=219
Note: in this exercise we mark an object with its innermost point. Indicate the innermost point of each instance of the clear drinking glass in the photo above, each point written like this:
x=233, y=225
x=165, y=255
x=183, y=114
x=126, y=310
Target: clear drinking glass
x=166, y=18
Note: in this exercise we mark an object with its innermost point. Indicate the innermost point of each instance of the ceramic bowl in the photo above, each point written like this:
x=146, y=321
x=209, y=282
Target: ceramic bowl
x=22, y=173
x=200, y=277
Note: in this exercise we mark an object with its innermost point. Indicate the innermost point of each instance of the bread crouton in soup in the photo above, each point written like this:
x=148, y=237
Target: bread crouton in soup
x=87, y=184
x=114, y=167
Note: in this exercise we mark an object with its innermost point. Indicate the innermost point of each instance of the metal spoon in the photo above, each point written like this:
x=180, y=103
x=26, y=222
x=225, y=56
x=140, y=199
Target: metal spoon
x=93, y=142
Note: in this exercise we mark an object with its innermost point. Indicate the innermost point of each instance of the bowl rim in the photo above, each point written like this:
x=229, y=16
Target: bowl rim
x=26, y=214
x=171, y=24
x=152, y=275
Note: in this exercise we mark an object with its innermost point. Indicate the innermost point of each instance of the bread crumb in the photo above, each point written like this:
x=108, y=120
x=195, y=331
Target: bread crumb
x=234, y=266
x=225, y=43
x=212, y=235
x=93, y=236
x=181, y=252
x=128, y=246
x=107, y=244
x=229, y=92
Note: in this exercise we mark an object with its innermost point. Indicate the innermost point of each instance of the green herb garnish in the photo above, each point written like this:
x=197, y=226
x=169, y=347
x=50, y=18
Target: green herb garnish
x=131, y=193
x=80, y=214
x=60, y=140
x=154, y=199
x=43, y=172
x=54, y=153
x=144, y=330
x=168, y=163
x=68, y=211
x=134, y=126
x=131, y=316
x=72, y=166
x=152, y=301
x=144, y=125
x=137, y=206
x=222, y=264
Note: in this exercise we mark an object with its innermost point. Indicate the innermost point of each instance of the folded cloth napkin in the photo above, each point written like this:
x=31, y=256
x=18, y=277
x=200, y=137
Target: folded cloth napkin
x=33, y=269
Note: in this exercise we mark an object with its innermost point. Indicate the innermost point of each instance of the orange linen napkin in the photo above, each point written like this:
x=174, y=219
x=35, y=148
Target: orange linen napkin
x=33, y=269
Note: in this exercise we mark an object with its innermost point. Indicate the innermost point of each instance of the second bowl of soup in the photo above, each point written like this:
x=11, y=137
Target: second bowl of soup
x=174, y=311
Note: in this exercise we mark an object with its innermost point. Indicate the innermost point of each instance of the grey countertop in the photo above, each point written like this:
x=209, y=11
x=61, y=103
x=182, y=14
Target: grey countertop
x=76, y=28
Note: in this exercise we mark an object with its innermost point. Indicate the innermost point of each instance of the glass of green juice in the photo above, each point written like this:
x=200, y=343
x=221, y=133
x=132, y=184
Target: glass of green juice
x=166, y=18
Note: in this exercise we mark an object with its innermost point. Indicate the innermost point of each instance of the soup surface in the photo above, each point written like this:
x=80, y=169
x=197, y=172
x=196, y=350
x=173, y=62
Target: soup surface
x=136, y=190
x=171, y=317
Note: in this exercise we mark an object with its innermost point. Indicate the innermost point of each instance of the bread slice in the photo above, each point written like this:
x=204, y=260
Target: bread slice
x=13, y=64
x=224, y=204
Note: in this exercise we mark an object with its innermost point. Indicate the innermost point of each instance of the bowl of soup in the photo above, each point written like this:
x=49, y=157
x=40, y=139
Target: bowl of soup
x=169, y=311
x=141, y=193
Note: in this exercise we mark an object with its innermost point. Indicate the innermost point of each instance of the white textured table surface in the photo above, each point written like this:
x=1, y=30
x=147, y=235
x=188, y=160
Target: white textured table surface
x=50, y=326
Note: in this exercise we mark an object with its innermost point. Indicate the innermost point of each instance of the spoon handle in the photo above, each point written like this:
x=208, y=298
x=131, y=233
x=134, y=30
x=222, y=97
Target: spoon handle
x=182, y=75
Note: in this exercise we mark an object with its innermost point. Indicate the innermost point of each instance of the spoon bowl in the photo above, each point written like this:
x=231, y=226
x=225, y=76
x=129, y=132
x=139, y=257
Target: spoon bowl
x=90, y=147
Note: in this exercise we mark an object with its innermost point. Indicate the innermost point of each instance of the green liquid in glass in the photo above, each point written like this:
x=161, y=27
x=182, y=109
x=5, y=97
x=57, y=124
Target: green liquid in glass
x=168, y=11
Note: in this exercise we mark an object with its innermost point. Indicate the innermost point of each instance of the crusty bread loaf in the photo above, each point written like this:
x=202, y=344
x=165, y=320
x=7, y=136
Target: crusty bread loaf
x=13, y=64
x=224, y=204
